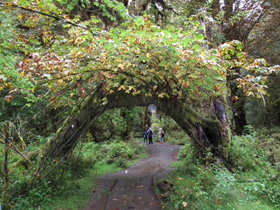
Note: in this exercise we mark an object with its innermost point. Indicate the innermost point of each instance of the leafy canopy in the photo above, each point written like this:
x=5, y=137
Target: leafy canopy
x=66, y=65
x=138, y=57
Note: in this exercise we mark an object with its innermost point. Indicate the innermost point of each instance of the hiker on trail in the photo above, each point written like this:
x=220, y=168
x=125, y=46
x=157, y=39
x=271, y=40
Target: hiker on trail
x=150, y=135
x=160, y=136
x=146, y=134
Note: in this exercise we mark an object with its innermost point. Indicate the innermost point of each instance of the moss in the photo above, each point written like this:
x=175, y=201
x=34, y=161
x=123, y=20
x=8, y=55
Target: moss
x=212, y=123
x=76, y=109
x=192, y=116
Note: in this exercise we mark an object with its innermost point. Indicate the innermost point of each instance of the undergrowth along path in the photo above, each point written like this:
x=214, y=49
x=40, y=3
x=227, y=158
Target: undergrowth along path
x=132, y=188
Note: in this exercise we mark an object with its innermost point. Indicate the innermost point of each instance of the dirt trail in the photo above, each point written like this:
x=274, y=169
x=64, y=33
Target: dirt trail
x=133, y=188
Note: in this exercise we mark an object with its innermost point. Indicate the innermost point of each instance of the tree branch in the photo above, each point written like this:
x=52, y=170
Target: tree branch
x=54, y=16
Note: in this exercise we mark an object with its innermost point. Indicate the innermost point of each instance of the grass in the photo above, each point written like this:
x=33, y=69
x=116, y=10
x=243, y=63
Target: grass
x=212, y=186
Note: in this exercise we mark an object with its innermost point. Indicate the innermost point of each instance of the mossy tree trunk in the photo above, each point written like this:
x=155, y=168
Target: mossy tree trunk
x=147, y=119
x=206, y=132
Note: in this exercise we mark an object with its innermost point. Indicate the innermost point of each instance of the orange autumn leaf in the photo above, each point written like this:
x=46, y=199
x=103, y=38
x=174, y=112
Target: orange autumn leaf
x=176, y=66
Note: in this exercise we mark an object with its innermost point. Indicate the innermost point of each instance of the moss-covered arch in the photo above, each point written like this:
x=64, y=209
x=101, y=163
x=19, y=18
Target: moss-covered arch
x=206, y=133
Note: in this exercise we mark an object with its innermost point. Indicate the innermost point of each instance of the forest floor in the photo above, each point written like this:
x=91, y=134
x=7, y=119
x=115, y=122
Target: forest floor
x=132, y=188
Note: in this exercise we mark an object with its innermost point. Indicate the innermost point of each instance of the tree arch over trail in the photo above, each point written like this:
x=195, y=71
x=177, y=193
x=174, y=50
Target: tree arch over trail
x=207, y=133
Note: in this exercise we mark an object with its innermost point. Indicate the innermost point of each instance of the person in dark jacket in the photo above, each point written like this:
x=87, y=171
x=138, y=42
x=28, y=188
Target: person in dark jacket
x=150, y=135
x=146, y=134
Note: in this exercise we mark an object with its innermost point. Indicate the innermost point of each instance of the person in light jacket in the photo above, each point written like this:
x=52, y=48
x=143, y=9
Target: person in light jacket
x=160, y=136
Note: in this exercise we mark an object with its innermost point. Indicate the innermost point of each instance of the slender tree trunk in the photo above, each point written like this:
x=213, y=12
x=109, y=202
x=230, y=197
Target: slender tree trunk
x=125, y=133
x=237, y=103
x=53, y=116
x=239, y=116
x=147, y=118
x=6, y=170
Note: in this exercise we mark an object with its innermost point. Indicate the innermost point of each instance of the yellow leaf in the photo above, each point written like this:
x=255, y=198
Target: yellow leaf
x=19, y=16
x=121, y=87
x=148, y=94
x=121, y=66
x=60, y=81
x=161, y=95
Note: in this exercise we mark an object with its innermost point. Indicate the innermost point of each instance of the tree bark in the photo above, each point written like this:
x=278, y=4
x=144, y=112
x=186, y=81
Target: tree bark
x=238, y=104
x=218, y=109
x=147, y=118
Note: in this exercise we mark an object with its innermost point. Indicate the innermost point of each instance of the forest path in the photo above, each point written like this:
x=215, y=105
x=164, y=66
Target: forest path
x=133, y=188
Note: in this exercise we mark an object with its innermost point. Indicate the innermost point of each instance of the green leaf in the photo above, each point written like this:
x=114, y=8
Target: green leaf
x=70, y=6
x=199, y=36
x=196, y=47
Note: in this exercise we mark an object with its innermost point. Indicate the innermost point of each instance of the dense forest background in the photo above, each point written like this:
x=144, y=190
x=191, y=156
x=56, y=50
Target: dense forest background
x=77, y=78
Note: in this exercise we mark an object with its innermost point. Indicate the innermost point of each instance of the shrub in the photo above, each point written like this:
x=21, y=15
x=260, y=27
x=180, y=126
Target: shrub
x=120, y=149
x=185, y=152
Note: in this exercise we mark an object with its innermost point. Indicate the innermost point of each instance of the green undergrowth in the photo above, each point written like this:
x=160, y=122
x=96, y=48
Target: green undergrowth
x=252, y=181
x=71, y=186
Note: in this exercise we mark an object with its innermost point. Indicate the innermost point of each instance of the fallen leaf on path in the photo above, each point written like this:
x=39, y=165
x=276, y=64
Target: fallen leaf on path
x=140, y=186
x=154, y=203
